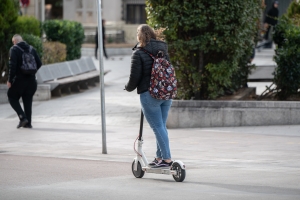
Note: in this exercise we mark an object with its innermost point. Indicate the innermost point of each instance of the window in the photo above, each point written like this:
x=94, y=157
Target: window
x=136, y=14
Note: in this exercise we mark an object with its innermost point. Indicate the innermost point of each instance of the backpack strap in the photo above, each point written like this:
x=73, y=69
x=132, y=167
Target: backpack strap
x=147, y=52
x=30, y=48
x=19, y=48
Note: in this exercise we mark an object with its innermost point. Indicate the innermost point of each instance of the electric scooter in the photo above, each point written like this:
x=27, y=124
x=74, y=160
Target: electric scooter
x=140, y=163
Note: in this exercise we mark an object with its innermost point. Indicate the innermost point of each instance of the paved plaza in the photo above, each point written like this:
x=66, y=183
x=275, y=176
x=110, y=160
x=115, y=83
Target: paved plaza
x=61, y=157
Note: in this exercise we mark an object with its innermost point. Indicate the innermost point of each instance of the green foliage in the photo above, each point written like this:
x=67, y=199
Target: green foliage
x=294, y=12
x=293, y=9
x=67, y=32
x=34, y=41
x=287, y=73
x=209, y=42
x=27, y=25
x=8, y=15
x=54, y=52
x=280, y=30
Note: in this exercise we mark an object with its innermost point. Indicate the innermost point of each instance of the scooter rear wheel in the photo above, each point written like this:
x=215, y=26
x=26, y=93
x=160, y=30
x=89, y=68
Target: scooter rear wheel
x=180, y=176
x=139, y=173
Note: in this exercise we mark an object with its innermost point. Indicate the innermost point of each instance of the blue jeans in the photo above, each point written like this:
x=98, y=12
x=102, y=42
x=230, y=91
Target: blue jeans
x=156, y=112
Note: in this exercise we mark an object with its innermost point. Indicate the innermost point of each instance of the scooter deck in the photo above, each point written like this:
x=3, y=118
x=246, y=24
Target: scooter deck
x=165, y=170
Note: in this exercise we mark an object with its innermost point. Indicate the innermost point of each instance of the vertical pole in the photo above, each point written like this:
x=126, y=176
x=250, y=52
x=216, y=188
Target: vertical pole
x=36, y=9
x=100, y=47
x=43, y=10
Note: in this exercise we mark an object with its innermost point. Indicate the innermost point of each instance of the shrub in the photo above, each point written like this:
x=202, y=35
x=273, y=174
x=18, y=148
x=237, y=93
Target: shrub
x=54, y=52
x=34, y=41
x=293, y=9
x=8, y=15
x=287, y=37
x=294, y=12
x=209, y=42
x=287, y=72
x=27, y=25
x=11, y=23
x=67, y=32
x=280, y=30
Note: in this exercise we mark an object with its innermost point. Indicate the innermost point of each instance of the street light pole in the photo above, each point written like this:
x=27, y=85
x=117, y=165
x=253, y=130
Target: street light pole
x=43, y=10
x=100, y=47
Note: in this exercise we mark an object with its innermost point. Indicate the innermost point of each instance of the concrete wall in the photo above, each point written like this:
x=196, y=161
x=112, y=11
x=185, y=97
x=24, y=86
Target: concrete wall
x=85, y=52
x=130, y=33
x=43, y=93
x=193, y=114
x=81, y=11
x=112, y=10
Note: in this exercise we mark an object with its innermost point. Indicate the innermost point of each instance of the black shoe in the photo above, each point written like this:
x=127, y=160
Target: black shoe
x=153, y=163
x=27, y=126
x=163, y=164
x=22, y=123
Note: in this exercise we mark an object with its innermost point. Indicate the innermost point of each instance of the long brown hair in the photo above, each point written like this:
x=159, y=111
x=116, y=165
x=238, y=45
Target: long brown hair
x=145, y=33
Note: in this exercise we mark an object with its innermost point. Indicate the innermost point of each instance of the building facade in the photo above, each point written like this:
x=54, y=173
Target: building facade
x=122, y=16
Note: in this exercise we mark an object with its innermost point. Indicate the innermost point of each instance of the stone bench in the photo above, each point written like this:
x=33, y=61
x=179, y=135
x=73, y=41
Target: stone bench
x=70, y=76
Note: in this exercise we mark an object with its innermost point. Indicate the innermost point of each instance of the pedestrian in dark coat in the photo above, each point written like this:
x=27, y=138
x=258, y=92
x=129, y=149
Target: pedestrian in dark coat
x=20, y=84
x=271, y=18
x=103, y=40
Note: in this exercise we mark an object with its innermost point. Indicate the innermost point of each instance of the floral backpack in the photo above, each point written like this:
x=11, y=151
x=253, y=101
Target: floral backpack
x=163, y=82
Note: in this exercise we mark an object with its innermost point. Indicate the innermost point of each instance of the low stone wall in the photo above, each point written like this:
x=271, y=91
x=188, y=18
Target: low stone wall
x=195, y=114
x=110, y=51
x=43, y=93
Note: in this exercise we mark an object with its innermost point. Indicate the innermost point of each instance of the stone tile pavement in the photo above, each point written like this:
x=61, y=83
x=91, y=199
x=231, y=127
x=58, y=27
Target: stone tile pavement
x=61, y=157
x=122, y=107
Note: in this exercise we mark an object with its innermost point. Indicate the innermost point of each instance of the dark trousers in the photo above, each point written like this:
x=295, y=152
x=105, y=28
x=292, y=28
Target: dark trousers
x=25, y=88
x=104, y=51
x=266, y=36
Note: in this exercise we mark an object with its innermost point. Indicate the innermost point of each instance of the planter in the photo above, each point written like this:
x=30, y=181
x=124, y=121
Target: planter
x=195, y=114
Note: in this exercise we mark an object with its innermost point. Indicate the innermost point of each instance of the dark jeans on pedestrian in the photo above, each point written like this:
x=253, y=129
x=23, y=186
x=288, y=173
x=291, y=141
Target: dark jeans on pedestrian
x=104, y=51
x=266, y=36
x=25, y=88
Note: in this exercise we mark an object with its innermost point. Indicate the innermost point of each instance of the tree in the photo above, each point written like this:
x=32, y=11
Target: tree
x=209, y=42
x=8, y=15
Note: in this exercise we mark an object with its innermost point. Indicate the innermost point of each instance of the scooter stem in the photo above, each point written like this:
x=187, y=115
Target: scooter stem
x=141, y=125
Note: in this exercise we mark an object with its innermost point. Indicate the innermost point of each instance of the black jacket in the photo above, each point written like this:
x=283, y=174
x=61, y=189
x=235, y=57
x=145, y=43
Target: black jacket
x=15, y=61
x=272, y=16
x=141, y=65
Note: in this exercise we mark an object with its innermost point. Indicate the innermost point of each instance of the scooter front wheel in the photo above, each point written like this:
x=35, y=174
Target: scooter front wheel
x=180, y=176
x=139, y=173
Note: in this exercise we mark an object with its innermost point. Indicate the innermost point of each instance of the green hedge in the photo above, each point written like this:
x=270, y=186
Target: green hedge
x=8, y=15
x=27, y=25
x=67, y=32
x=210, y=42
x=34, y=41
x=11, y=24
x=287, y=72
x=287, y=38
x=293, y=9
